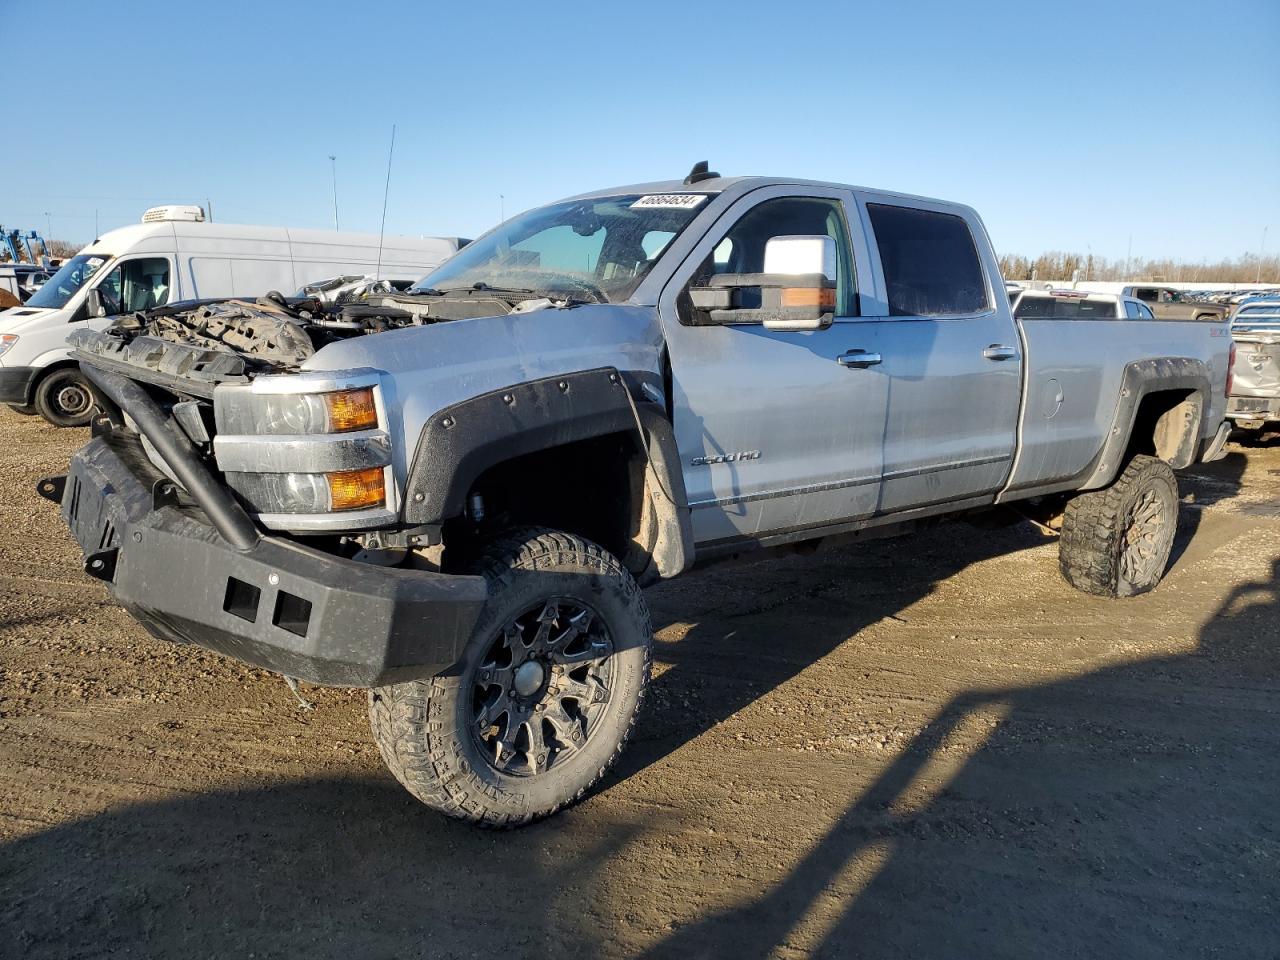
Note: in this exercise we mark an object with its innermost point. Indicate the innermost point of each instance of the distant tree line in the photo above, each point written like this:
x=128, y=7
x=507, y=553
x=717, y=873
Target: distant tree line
x=1058, y=265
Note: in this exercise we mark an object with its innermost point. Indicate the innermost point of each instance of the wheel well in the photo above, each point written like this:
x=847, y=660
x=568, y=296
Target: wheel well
x=1167, y=425
x=52, y=368
x=593, y=488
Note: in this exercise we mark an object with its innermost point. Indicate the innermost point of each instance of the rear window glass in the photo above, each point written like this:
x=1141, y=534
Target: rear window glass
x=930, y=262
x=1065, y=308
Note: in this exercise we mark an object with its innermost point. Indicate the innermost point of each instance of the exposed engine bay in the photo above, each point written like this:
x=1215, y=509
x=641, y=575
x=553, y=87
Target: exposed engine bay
x=190, y=347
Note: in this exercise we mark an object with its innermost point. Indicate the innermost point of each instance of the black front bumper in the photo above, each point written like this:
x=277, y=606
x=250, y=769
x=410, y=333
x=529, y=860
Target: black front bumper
x=16, y=384
x=279, y=605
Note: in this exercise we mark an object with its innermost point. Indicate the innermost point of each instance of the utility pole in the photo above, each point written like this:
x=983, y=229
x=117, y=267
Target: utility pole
x=1127, y=254
x=95, y=223
x=1262, y=249
x=333, y=169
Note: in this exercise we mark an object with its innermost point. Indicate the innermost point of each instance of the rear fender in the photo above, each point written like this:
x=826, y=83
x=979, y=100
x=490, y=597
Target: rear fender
x=1143, y=378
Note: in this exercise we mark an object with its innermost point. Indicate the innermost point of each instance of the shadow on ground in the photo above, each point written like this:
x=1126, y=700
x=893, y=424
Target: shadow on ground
x=1128, y=812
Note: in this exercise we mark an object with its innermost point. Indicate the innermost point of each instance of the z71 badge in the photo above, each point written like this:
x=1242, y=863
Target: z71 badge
x=726, y=458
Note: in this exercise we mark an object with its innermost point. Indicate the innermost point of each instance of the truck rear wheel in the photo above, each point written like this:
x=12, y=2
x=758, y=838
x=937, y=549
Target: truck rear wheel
x=546, y=693
x=65, y=398
x=1116, y=541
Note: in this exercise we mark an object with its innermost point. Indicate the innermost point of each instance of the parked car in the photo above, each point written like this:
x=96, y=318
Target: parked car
x=1170, y=304
x=1254, y=403
x=1078, y=305
x=174, y=254
x=19, y=281
x=451, y=496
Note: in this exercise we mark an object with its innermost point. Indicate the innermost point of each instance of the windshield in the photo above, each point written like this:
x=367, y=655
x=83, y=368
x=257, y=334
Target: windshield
x=580, y=249
x=62, y=286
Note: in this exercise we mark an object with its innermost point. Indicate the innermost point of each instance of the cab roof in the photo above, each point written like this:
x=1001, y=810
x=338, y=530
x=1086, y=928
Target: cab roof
x=736, y=186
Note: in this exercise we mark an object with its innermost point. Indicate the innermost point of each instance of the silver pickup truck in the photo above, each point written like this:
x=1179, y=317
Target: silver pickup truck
x=452, y=495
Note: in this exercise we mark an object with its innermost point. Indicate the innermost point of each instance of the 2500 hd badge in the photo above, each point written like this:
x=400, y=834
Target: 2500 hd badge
x=726, y=458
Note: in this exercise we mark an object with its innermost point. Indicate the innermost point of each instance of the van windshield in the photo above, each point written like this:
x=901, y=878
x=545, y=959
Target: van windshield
x=62, y=286
x=596, y=249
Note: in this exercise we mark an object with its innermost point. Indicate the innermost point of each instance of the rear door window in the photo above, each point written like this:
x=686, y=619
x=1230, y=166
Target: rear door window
x=930, y=262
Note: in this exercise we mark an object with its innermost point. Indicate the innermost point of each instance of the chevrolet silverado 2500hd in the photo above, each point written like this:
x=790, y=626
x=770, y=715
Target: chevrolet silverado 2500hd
x=451, y=495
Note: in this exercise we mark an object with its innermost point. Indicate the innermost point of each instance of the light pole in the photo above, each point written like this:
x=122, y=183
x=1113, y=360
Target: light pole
x=1262, y=249
x=333, y=169
x=48, y=225
x=502, y=208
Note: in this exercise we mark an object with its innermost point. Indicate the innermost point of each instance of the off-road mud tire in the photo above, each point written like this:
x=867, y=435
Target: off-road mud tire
x=1096, y=527
x=423, y=728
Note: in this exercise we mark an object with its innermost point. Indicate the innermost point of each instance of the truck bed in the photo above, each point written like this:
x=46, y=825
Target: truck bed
x=1074, y=382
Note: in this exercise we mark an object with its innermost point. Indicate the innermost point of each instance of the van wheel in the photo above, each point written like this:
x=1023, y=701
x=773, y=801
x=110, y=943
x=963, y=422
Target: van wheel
x=65, y=398
x=1116, y=541
x=544, y=697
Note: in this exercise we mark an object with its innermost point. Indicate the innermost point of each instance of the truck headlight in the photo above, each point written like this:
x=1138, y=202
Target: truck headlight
x=311, y=492
x=7, y=341
x=337, y=411
x=307, y=451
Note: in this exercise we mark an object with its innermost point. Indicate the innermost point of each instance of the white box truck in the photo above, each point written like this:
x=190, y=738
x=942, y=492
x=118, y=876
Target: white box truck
x=175, y=254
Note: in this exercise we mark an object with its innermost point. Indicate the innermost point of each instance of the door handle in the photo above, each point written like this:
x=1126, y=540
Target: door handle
x=859, y=359
x=998, y=351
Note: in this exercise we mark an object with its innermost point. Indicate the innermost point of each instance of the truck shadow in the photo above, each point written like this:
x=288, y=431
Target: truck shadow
x=721, y=615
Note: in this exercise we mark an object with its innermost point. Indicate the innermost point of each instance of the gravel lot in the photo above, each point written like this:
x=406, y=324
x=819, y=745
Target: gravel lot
x=929, y=747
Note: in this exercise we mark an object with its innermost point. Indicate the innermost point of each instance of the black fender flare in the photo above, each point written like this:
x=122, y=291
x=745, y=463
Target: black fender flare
x=1141, y=379
x=462, y=441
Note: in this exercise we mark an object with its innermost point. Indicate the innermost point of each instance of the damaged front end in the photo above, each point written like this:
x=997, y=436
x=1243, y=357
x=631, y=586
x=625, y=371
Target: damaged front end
x=304, y=452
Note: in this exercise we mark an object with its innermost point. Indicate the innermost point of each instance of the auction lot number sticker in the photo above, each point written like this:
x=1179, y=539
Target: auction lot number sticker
x=672, y=201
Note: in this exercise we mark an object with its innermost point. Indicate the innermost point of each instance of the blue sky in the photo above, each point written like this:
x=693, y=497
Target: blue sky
x=1068, y=126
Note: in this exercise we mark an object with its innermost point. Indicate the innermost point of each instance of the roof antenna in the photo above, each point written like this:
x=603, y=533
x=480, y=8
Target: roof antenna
x=377, y=274
x=700, y=172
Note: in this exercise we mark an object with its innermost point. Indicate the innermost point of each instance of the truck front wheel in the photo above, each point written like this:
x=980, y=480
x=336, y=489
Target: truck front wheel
x=65, y=398
x=1116, y=541
x=546, y=692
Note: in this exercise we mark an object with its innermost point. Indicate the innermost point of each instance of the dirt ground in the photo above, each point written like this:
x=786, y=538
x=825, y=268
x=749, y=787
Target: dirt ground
x=917, y=748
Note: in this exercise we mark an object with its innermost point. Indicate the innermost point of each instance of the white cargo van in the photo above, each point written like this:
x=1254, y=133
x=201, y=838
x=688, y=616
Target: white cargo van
x=174, y=254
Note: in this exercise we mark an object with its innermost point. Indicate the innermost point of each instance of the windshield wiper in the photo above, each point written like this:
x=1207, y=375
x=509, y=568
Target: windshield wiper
x=514, y=292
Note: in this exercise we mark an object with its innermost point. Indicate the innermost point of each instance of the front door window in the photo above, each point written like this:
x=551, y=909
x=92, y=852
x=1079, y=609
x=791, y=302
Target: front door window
x=136, y=285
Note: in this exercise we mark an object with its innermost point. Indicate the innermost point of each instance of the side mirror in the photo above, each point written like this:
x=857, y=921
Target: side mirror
x=796, y=289
x=93, y=301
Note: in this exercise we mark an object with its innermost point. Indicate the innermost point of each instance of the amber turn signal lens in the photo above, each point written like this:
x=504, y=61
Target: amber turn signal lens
x=351, y=410
x=809, y=297
x=356, y=489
